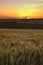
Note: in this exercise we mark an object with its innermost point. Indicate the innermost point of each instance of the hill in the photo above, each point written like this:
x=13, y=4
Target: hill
x=21, y=23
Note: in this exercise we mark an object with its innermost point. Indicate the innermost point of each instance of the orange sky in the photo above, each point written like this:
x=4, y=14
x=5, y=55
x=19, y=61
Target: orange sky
x=21, y=9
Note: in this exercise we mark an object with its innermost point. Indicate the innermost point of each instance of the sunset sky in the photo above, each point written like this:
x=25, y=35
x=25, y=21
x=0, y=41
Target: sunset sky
x=21, y=8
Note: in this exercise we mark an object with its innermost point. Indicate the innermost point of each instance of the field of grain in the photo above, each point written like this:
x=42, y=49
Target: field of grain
x=21, y=47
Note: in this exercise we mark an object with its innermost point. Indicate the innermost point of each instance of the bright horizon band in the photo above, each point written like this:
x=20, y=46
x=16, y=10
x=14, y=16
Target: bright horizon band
x=21, y=9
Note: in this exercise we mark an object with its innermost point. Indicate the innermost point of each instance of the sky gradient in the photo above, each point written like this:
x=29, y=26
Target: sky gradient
x=21, y=8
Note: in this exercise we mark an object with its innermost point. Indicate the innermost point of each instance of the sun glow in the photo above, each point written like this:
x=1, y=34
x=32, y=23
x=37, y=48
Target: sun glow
x=24, y=10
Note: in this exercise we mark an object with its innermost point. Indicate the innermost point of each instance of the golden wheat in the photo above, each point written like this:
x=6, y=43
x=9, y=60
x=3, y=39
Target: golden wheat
x=21, y=47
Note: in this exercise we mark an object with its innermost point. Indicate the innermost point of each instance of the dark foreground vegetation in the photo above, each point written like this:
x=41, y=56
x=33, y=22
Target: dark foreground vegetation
x=21, y=48
x=21, y=23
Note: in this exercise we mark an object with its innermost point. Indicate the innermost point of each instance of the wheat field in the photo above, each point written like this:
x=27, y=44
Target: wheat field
x=21, y=47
